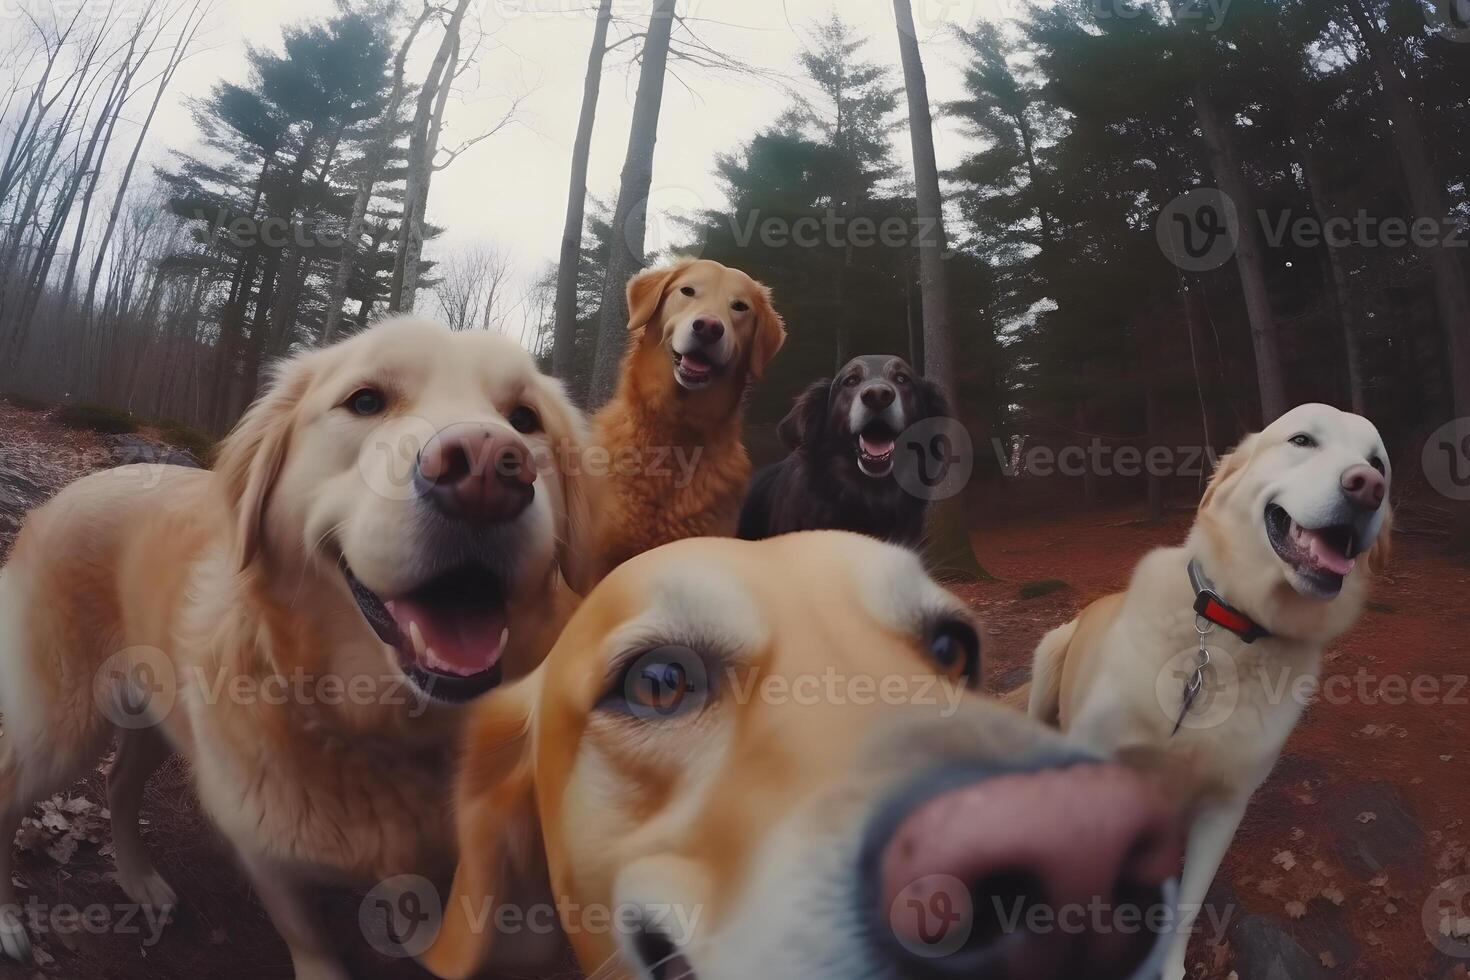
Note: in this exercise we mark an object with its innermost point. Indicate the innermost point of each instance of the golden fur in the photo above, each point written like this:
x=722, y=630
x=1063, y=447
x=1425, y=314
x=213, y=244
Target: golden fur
x=225, y=586
x=652, y=423
x=745, y=808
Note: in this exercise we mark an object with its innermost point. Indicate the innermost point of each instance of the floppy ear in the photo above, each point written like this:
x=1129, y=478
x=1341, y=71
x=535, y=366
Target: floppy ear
x=770, y=333
x=251, y=456
x=646, y=293
x=1229, y=464
x=803, y=425
x=935, y=401
x=1382, y=550
x=496, y=827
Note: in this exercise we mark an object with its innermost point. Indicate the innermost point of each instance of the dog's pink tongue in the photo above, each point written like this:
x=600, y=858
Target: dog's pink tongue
x=875, y=447
x=1325, y=555
x=462, y=640
x=695, y=364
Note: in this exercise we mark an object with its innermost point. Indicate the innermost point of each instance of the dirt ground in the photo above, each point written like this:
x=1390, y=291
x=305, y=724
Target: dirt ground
x=1329, y=876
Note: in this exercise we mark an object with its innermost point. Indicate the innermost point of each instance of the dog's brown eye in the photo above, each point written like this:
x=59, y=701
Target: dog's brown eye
x=664, y=682
x=740, y=306
x=366, y=402
x=850, y=381
x=901, y=379
x=1303, y=441
x=1377, y=463
x=955, y=647
x=687, y=290
x=523, y=419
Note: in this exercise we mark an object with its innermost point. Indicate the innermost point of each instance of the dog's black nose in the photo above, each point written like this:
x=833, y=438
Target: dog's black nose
x=1026, y=875
x=1364, y=486
x=477, y=473
x=708, y=329
x=878, y=397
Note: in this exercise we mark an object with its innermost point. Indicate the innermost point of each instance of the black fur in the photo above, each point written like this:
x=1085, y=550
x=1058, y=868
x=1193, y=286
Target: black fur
x=820, y=484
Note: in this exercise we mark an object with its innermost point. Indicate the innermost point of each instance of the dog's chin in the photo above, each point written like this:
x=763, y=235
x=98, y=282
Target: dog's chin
x=873, y=449
x=694, y=371
x=1317, y=561
x=449, y=632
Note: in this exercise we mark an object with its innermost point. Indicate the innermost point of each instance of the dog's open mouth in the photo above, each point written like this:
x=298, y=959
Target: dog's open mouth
x=1322, y=556
x=450, y=632
x=875, y=446
x=694, y=370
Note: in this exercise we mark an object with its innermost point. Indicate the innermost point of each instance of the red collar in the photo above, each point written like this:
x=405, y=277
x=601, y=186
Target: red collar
x=1209, y=606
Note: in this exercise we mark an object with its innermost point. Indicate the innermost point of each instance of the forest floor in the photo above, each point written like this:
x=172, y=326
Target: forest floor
x=1329, y=877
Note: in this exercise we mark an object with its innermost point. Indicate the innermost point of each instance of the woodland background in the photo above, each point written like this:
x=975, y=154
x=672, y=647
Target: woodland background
x=1030, y=279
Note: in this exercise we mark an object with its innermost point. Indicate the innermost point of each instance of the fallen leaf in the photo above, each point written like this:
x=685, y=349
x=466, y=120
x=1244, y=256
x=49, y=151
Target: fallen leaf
x=1333, y=894
x=1328, y=960
x=1378, y=881
x=1367, y=817
x=1296, y=909
x=1285, y=859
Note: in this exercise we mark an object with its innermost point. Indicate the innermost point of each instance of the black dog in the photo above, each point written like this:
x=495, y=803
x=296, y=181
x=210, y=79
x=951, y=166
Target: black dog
x=843, y=434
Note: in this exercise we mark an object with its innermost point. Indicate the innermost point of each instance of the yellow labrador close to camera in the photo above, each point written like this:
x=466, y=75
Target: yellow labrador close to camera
x=1203, y=656
x=744, y=780
x=378, y=541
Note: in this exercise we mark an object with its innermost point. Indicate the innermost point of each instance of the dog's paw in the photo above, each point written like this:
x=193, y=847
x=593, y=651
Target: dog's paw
x=150, y=890
x=14, y=942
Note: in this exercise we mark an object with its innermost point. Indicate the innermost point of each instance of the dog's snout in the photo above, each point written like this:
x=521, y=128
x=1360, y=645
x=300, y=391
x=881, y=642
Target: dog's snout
x=878, y=396
x=708, y=329
x=477, y=473
x=1364, y=486
x=1034, y=869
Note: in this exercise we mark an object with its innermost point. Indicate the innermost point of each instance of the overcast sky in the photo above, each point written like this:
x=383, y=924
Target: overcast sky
x=511, y=189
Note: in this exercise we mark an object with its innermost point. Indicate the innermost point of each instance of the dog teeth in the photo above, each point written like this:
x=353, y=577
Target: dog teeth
x=504, y=637
x=418, y=639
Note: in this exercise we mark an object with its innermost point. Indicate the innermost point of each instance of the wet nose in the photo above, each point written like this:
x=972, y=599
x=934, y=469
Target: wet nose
x=878, y=397
x=1364, y=486
x=482, y=474
x=1031, y=875
x=709, y=329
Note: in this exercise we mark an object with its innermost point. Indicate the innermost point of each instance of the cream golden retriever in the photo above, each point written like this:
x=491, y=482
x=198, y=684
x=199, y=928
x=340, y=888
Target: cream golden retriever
x=383, y=536
x=720, y=778
x=1206, y=656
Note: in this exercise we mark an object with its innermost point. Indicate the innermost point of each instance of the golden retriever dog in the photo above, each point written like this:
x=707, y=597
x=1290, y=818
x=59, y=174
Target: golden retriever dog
x=700, y=334
x=722, y=779
x=1208, y=653
x=378, y=541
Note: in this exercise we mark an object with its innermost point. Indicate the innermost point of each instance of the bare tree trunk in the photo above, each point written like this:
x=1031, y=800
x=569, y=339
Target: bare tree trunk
x=36, y=108
x=564, y=328
x=1428, y=199
x=1338, y=286
x=374, y=160
x=1249, y=260
x=428, y=114
x=197, y=13
x=949, y=527
x=126, y=73
x=630, y=218
x=1427, y=196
